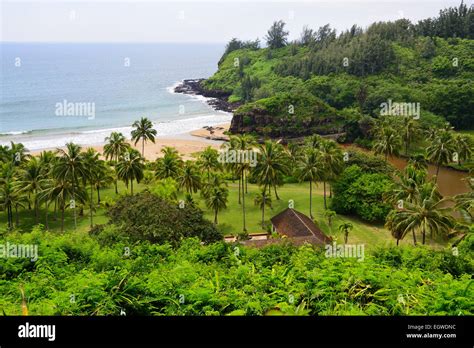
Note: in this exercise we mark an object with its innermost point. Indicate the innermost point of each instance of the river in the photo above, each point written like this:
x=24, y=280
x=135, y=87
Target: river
x=450, y=181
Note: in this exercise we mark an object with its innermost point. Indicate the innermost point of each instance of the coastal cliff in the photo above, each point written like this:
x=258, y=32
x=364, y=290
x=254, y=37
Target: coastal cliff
x=253, y=118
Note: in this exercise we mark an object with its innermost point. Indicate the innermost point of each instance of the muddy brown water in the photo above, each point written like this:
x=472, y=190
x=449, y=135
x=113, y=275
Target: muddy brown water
x=450, y=181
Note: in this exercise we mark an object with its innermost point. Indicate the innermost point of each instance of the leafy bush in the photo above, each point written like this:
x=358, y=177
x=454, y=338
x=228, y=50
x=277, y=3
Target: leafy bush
x=147, y=217
x=361, y=193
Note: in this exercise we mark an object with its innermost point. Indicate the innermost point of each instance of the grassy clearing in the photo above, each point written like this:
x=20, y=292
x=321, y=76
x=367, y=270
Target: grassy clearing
x=230, y=219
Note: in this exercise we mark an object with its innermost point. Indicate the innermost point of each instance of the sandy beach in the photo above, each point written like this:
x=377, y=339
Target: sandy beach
x=186, y=144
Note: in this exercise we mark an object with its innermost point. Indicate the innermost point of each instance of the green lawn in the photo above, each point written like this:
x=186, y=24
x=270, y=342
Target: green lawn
x=230, y=219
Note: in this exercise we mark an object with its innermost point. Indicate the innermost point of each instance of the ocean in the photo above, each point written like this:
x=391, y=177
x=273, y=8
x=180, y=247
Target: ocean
x=53, y=93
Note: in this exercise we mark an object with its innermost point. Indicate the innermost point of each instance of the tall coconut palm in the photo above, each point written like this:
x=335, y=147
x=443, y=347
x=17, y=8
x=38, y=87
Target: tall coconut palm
x=170, y=165
x=18, y=153
x=208, y=161
x=310, y=169
x=407, y=188
x=10, y=196
x=465, y=201
x=115, y=146
x=243, y=142
x=103, y=177
x=216, y=199
x=130, y=167
x=215, y=180
x=261, y=200
x=464, y=147
x=331, y=159
x=63, y=190
x=425, y=215
x=418, y=162
x=70, y=167
x=441, y=149
x=91, y=161
x=388, y=142
x=410, y=131
x=189, y=178
x=143, y=131
x=272, y=164
x=30, y=178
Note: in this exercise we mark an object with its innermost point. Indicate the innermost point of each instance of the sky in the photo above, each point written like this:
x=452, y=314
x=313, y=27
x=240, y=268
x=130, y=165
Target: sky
x=192, y=21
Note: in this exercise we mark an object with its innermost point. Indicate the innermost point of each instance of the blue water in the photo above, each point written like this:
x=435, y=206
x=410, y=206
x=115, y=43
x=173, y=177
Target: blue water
x=98, y=73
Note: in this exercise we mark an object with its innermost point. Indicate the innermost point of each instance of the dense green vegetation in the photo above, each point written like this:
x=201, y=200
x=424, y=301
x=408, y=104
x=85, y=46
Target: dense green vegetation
x=116, y=232
x=154, y=253
x=323, y=82
x=77, y=274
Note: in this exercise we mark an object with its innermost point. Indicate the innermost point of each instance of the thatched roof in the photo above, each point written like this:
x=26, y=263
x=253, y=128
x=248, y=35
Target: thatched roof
x=293, y=224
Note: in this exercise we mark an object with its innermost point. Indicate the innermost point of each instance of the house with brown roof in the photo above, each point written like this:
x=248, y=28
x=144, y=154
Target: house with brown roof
x=297, y=226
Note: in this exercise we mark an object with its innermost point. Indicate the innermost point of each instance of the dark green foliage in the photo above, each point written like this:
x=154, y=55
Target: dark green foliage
x=277, y=36
x=357, y=192
x=301, y=114
x=368, y=162
x=224, y=279
x=428, y=63
x=147, y=217
x=451, y=22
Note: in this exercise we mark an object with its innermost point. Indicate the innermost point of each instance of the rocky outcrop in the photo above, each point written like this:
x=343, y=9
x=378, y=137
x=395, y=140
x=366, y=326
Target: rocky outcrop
x=217, y=99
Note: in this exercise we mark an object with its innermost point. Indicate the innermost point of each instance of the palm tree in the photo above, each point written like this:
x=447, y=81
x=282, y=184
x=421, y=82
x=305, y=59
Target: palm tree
x=418, y=162
x=410, y=129
x=208, y=160
x=261, y=200
x=313, y=141
x=464, y=147
x=329, y=214
x=103, y=177
x=425, y=215
x=215, y=180
x=388, y=142
x=70, y=167
x=309, y=169
x=243, y=142
x=407, y=188
x=216, y=199
x=62, y=190
x=441, y=149
x=331, y=159
x=465, y=201
x=189, y=178
x=91, y=161
x=30, y=179
x=170, y=165
x=143, y=130
x=8, y=193
x=345, y=228
x=115, y=146
x=272, y=164
x=18, y=153
x=130, y=167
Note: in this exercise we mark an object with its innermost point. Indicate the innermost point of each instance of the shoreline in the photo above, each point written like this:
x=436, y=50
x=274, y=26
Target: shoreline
x=186, y=144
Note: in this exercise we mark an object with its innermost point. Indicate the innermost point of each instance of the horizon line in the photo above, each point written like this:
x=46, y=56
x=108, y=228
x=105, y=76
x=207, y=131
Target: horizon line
x=116, y=42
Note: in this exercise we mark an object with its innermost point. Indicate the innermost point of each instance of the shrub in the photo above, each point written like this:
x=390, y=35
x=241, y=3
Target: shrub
x=147, y=217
